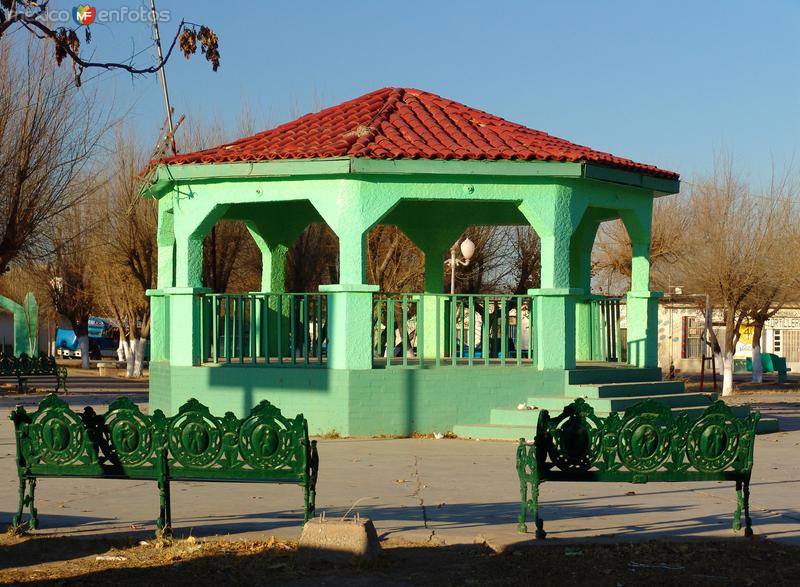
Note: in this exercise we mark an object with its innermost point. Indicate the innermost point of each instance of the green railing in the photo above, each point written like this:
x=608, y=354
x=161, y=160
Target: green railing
x=268, y=329
x=463, y=329
x=605, y=329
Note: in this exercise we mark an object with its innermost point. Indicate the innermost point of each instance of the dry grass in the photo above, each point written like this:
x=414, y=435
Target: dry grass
x=68, y=561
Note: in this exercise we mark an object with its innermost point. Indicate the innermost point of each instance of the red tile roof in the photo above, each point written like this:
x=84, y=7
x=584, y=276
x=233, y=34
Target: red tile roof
x=401, y=123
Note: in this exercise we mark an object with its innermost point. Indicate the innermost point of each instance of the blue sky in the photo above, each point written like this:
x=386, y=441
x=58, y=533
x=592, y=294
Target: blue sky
x=661, y=82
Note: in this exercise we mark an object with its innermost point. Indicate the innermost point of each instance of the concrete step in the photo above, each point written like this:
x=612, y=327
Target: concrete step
x=494, y=431
x=620, y=404
x=635, y=388
x=512, y=424
x=605, y=374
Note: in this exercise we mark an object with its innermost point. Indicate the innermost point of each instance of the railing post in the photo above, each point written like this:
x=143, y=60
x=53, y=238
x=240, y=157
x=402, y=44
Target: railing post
x=641, y=315
x=349, y=325
x=183, y=315
x=555, y=327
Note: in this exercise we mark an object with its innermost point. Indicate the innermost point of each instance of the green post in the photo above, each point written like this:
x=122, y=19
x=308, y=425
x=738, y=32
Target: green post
x=642, y=321
x=554, y=325
x=26, y=324
x=350, y=325
x=184, y=324
x=583, y=329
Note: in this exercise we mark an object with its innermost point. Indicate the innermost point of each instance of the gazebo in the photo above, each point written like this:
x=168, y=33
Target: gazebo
x=357, y=361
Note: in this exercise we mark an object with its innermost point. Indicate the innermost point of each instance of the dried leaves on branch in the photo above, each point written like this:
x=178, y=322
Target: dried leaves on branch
x=32, y=15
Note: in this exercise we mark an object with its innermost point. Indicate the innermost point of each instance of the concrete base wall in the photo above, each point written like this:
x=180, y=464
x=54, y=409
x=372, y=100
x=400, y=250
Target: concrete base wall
x=356, y=402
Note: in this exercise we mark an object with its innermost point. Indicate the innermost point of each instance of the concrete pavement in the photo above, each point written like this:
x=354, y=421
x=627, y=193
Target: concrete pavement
x=447, y=491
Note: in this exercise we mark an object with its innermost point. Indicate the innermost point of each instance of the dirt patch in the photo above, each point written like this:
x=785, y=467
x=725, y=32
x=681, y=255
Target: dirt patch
x=60, y=561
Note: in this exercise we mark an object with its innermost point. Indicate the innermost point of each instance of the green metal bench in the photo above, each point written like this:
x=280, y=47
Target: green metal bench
x=771, y=363
x=646, y=443
x=23, y=368
x=192, y=445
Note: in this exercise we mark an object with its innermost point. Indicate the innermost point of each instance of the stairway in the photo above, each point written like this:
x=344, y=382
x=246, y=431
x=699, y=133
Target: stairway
x=631, y=387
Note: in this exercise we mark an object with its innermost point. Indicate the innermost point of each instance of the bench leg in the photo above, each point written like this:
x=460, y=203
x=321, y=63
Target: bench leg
x=781, y=376
x=523, y=511
x=540, y=533
x=310, y=501
x=748, y=523
x=164, y=522
x=737, y=515
x=27, y=493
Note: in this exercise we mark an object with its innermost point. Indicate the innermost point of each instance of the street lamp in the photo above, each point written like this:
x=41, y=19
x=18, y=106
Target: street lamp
x=467, y=250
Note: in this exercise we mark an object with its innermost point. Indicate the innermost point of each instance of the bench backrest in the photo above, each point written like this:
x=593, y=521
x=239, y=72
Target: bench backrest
x=192, y=444
x=646, y=442
x=27, y=365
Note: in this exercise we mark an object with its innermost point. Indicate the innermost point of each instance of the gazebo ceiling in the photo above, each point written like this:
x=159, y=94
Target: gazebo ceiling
x=403, y=123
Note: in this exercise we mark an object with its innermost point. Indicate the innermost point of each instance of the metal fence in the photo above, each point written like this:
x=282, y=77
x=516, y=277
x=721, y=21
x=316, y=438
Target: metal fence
x=605, y=329
x=461, y=329
x=268, y=329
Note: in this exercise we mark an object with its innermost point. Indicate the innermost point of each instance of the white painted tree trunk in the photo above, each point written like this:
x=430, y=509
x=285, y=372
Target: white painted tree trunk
x=83, y=342
x=121, y=349
x=138, y=355
x=130, y=357
x=727, y=373
x=758, y=371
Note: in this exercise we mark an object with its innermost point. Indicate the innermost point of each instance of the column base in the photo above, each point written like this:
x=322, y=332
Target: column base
x=349, y=325
x=554, y=327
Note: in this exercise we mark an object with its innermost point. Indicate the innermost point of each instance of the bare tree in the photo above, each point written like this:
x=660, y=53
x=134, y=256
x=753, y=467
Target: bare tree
x=48, y=136
x=735, y=240
x=313, y=259
x=68, y=275
x=781, y=269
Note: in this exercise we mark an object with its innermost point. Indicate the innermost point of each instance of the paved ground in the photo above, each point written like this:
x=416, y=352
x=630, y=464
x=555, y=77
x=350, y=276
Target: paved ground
x=446, y=491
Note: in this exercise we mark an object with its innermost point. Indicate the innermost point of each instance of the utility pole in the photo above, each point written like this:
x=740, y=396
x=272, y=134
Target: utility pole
x=162, y=74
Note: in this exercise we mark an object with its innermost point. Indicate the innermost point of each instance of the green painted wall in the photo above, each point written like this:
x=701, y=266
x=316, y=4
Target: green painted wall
x=357, y=402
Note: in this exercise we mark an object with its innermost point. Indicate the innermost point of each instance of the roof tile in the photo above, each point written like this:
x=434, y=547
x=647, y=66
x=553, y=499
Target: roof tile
x=401, y=123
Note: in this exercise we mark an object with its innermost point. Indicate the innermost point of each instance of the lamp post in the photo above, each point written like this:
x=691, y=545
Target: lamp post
x=467, y=250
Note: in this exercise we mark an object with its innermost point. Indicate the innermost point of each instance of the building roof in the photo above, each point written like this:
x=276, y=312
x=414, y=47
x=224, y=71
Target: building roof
x=403, y=123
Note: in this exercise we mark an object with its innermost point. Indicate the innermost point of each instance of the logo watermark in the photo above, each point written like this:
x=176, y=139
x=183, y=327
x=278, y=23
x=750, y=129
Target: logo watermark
x=87, y=14
x=84, y=15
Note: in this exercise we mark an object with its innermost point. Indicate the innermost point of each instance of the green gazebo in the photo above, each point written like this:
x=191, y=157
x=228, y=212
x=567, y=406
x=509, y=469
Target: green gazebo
x=362, y=362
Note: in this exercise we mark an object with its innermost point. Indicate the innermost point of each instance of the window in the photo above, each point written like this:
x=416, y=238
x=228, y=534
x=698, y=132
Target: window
x=691, y=347
x=789, y=345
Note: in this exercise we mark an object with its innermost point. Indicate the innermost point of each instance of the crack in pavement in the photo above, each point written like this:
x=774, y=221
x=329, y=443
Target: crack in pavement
x=417, y=489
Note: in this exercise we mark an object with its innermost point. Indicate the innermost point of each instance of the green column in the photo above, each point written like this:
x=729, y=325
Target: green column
x=555, y=215
x=641, y=313
x=159, y=307
x=434, y=234
x=581, y=277
x=182, y=311
x=351, y=212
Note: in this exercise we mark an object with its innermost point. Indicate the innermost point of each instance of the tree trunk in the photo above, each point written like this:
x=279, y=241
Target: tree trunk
x=727, y=373
x=121, y=349
x=758, y=371
x=138, y=356
x=130, y=356
x=83, y=342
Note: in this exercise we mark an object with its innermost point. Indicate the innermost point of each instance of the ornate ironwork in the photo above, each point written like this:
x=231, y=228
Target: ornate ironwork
x=192, y=445
x=645, y=443
x=24, y=367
